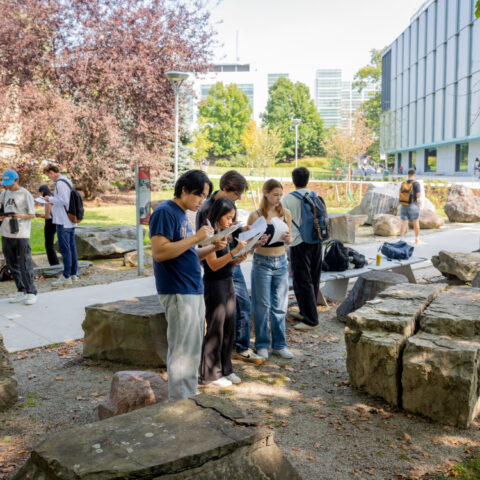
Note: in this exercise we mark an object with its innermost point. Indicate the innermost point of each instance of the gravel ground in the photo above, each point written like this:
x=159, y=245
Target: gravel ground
x=326, y=428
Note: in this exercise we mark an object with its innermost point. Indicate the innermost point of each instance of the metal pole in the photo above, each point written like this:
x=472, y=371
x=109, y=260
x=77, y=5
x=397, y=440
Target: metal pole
x=140, y=254
x=176, y=89
x=296, y=145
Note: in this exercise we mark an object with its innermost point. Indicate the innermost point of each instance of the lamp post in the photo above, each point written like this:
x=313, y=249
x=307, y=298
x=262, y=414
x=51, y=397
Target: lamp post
x=296, y=122
x=176, y=79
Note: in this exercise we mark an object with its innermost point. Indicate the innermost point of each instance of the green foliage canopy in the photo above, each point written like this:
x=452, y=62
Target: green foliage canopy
x=225, y=114
x=288, y=100
x=477, y=9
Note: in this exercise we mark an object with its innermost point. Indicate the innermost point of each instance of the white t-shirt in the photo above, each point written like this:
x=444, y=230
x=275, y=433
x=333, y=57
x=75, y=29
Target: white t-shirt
x=18, y=201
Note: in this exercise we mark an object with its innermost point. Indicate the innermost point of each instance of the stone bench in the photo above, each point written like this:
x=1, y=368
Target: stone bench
x=56, y=270
x=203, y=438
x=132, y=331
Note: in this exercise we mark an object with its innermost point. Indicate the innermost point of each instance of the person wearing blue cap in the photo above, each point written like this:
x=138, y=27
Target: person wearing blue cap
x=18, y=210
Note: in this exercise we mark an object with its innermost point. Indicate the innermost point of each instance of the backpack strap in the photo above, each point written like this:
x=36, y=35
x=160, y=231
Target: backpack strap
x=65, y=181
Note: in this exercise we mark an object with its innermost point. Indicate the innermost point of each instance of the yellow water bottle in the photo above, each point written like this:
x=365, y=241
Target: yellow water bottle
x=379, y=259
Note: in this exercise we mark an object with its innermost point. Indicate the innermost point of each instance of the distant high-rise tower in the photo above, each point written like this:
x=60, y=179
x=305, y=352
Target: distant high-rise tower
x=328, y=96
x=352, y=99
x=273, y=77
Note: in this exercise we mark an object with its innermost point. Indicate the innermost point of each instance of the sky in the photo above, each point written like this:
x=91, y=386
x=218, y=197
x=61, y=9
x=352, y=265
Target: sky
x=300, y=36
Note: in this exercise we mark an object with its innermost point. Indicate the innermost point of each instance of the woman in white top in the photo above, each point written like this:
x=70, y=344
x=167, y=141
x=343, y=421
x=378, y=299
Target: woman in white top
x=270, y=274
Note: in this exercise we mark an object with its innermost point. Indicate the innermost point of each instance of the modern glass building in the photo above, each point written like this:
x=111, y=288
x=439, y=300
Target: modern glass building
x=328, y=96
x=352, y=100
x=273, y=77
x=431, y=90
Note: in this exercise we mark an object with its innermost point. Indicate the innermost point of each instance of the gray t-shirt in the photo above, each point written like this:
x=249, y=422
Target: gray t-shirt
x=294, y=204
x=18, y=201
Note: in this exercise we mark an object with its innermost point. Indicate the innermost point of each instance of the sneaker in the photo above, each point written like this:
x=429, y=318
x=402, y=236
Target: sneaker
x=419, y=241
x=304, y=326
x=61, y=280
x=31, y=298
x=234, y=378
x=284, y=353
x=74, y=278
x=222, y=382
x=263, y=352
x=18, y=297
x=296, y=315
x=250, y=356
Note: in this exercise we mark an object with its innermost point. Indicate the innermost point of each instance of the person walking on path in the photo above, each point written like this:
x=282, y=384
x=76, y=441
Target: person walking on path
x=216, y=365
x=232, y=186
x=305, y=258
x=270, y=274
x=18, y=210
x=49, y=229
x=178, y=279
x=410, y=202
x=65, y=228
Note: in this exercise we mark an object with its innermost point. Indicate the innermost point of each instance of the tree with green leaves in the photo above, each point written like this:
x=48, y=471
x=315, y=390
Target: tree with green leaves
x=288, y=100
x=225, y=114
x=372, y=108
x=477, y=9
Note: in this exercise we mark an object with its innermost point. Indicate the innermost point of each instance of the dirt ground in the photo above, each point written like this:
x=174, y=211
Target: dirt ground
x=326, y=428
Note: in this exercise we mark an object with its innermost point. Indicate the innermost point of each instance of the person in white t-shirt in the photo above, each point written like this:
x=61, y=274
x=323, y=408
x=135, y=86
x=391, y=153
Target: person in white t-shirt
x=18, y=210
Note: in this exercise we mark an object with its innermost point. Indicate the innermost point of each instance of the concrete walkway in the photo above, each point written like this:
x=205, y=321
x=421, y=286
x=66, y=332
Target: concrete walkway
x=58, y=315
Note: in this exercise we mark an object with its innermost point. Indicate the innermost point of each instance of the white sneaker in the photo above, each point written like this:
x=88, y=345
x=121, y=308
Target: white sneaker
x=61, y=280
x=18, y=297
x=284, y=353
x=233, y=378
x=249, y=356
x=31, y=298
x=263, y=352
x=223, y=382
x=304, y=326
x=74, y=278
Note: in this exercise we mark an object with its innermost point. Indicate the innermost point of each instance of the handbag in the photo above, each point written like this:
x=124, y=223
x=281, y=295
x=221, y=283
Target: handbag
x=397, y=251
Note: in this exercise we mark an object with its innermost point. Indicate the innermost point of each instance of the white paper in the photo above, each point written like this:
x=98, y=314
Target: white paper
x=41, y=200
x=259, y=226
x=280, y=229
x=249, y=245
x=219, y=235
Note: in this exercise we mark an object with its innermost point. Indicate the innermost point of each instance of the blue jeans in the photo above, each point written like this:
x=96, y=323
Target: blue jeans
x=242, y=311
x=270, y=300
x=68, y=249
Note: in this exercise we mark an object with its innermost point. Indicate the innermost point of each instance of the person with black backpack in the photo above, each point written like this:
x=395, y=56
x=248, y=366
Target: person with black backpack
x=309, y=230
x=65, y=223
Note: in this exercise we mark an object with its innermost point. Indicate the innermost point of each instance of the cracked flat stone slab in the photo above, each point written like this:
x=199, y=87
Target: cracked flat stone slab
x=194, y=438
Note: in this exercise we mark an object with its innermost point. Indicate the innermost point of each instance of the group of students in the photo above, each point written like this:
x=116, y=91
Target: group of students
x=17, y=211
x=221, y=296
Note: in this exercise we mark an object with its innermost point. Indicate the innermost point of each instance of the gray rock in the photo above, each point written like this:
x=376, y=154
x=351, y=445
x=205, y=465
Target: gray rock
x=132, y=332
x=202, y=438
x=378, y=199
x=386, y=225
x=342, y=227
x=130, y=259
x=132, y=389
x=464, y=266
x=105, y=242
x=462, y=205
x=367, y=286
x=8, y=381
x=455, y=313
x=359, y=219
x=429, y=220
x=440, y=378
x=423, y=295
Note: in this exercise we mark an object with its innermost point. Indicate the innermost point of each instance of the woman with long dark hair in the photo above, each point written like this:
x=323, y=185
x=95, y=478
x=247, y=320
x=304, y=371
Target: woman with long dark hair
x=49, y=229
x=270, y=274
x=216, y=364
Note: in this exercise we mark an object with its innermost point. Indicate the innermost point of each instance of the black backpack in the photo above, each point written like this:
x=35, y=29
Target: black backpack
x=336, y=257
x=356, y=258
x=75, y=211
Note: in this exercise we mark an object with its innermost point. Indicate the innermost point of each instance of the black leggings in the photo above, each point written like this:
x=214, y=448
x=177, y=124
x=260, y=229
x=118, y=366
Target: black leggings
x=218, y=342
x=49, y=232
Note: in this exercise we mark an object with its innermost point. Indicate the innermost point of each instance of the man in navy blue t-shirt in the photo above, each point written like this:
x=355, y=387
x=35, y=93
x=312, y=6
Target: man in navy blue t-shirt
x=178, y=279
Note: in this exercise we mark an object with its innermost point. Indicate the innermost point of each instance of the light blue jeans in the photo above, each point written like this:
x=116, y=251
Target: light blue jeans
x=270, y=300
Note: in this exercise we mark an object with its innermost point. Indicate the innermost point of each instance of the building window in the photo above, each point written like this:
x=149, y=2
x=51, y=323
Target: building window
x=386, y=80
x=399, y=162
x=390, y=162
x=412, y=160
x=430, y=160
x=461, y=157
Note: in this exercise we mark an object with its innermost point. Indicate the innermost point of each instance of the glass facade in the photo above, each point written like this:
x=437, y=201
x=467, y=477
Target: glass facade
x=461, y=157
x=430, y=160
x=328, y=96
x=412, y=159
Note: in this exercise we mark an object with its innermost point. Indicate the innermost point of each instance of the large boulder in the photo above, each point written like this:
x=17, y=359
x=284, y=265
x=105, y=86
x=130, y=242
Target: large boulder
x=130, y=259
x=105, y=242
x=430, y=220
x=462, y=205
x=464, y=266
x=132, y=332
x=342, y=227
x=386, y=225
x=378, y=199
x=200, y=438
x=8, y=381
x=131, y=390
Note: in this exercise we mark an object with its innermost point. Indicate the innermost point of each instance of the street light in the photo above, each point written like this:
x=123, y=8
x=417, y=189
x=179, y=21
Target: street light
x=176, y=78
x=296, y=122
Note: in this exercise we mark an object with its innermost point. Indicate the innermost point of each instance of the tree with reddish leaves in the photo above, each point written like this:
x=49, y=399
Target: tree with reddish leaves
x=85, y=81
